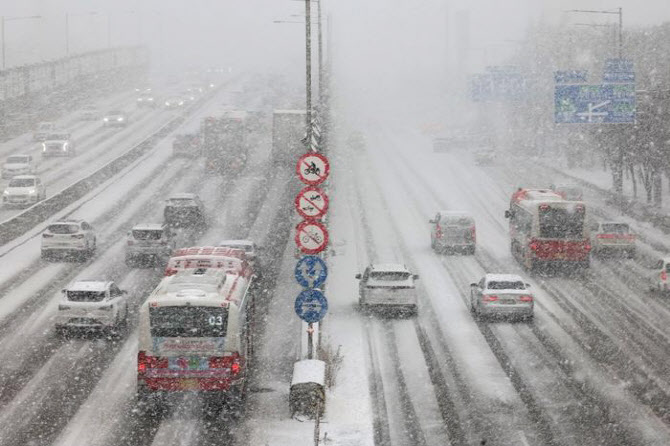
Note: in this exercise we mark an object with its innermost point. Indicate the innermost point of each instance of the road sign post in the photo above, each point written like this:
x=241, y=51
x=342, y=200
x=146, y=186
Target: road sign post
x=311, y=306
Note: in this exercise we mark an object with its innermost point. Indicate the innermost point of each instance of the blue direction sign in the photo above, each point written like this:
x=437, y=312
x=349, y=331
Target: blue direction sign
x=618, y=71
x=594, y=104
x=311, y=271
x=311, y=306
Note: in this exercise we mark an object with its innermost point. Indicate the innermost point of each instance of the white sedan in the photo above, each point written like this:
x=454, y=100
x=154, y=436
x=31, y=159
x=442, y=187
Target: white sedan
x=501, y=294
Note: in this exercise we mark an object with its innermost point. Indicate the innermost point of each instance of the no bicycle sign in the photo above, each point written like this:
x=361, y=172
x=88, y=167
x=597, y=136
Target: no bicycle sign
x=311, y=237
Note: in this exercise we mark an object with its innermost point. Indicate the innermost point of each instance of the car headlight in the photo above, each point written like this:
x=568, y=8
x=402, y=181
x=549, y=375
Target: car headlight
x=44, y=147
x=167, y=103
x=65, y=146
x=106, y=119
x=120, y=118
x=150, y=99
x=6, y=192
x=32, y=192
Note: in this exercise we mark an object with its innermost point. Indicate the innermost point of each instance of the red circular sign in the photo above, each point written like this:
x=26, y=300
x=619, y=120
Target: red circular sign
x=311, y=202
x=311, y=237
x=312, y=168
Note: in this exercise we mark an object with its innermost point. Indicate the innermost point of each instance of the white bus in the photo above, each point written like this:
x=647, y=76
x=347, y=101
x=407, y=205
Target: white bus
x=195, y=335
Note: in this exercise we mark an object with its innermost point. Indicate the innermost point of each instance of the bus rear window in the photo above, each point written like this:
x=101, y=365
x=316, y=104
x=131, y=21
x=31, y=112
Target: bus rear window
x=188, y=322
x=561, y=223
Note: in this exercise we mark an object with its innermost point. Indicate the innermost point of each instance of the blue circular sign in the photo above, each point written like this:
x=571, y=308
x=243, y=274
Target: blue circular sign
x=311, y=306
x=311, y=271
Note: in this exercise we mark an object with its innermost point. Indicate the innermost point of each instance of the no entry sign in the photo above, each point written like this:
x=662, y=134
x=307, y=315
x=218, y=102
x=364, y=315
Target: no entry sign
x=311, y=237
x=313, y=168
x=311, y=202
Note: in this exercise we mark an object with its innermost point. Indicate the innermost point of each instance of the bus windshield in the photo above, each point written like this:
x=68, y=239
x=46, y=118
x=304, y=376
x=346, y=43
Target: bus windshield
x=188, y=322
x=561, y=223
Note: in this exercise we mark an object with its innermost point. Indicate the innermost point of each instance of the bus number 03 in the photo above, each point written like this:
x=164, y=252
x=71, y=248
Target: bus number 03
x=216, y=320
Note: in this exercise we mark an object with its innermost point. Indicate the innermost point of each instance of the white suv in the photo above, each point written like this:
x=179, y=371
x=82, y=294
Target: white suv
x=24, y=190
x=388, y=286
x=58, y=144
x=68, y=236
x=149, y=241
x=18, y=165
x=92, y=304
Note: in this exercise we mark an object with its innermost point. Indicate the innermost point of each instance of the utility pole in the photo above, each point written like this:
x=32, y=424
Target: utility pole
x=308, y=73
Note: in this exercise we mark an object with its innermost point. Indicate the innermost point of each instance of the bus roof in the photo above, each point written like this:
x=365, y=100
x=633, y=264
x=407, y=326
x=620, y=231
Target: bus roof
x=198, y=286
x=211, y=251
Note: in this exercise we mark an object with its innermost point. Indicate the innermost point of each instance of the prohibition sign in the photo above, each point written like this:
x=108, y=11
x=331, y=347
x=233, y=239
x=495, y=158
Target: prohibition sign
x=311, y=202
x=312, y=168
x=311, y=237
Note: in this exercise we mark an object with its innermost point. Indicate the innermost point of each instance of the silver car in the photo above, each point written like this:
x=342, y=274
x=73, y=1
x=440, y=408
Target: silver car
x=388, y=286
x=502, y=295
x=18, y=165
x=24, y=190
x=149, y=241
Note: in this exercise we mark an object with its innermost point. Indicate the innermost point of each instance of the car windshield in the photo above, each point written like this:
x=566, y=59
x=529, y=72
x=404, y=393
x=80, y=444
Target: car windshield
x=390, y=276
x=181, y=202
x=45, y=126
x=188, y=322
x=63, y=228
x=457, y=221
x=561, y=223
x=147, y=234
x=615, y=228
x=506, y=285
x=85, y=296
x=58, y=137
x=22, y=182
x=18, y=159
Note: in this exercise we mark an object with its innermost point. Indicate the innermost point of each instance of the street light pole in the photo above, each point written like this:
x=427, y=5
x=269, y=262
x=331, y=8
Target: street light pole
x=308, y=75
x=619, y=12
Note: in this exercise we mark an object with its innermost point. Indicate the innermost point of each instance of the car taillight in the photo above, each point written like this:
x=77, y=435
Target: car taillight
x=489, y=298
x=170, y=271
x=236, y=367
x=63, y=307
x=45, y=235
x=145, y=362
x=587, y=247
x=664, y=276
x=142, y=362
x=473, y=234
x=438, y=231
x=130, y=242
x=534, y=245
x=525, y=298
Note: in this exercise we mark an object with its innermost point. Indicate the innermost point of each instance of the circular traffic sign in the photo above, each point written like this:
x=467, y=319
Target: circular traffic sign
x=311, y=237
x=311, y=306
x=311, y=202
x=312, y=168
x=311, y=271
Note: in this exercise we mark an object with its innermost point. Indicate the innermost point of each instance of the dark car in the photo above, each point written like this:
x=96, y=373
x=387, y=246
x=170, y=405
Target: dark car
x=184, y=211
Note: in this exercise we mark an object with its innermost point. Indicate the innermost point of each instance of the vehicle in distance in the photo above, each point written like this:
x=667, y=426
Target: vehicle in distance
x=187, y=144
x=659, y=276
x=43, y=130
x=115, y=118
x=184, y=210
x=485, y=157
x=174, y=102
x=188, y=96
x=195, y=335
x=24, y=190
x=146, y=100
x=548, y=231
x=68, y=237
x=90, y=113
x=440, y=145
x=388, y=287
x=58, y=144
x=612, y=238
x=18, y=165
x=453, y=231
x=569, y=192
x=501, y=295
x=149, y=243
x=92, y=305
x=250, y=250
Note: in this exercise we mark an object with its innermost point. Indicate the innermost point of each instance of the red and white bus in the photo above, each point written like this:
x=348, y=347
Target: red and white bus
x=233, y=260
x=546, y=229
x=195, y=335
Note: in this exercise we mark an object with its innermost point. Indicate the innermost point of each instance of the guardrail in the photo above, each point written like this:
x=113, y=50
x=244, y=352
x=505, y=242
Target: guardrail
x=24, y=221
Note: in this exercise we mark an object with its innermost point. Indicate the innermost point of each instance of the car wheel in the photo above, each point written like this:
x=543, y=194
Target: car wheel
x=61, y=332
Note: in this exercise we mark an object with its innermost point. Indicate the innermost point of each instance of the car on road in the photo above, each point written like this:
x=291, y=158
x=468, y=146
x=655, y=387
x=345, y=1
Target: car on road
x=19, y=165
x=389, y=287
x=149, y=241
x=569, y=192
x=68, y=237
x=90, y=113
x=249, y=248
x=612, y=238
x=485, y=157
x=174, y=102
x=186, y=145
x=24, y=190
x=501, y=295
x=59, y=144
x=115, y=118
x=453, y=231
x=43, y=130
x=147, y=100
x=659, y=276
x=184, y=210
x=92, y=305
